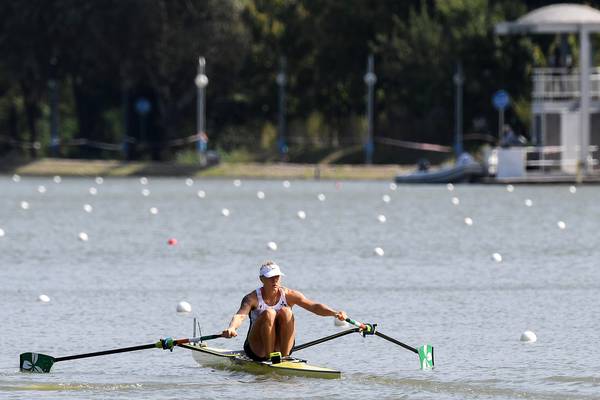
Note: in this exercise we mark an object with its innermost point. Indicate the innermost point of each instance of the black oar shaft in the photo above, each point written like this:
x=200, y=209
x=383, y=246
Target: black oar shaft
x=211, y=337
x=106, y=352
x=325, y=339
x=386, y=337
x=136, y=348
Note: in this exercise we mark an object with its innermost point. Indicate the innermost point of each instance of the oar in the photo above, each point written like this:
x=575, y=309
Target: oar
x=325, y=339
x=37, y=362
x=425, y=352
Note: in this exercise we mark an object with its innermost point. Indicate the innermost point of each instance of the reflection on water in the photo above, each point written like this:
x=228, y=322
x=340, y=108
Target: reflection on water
x=437, y=281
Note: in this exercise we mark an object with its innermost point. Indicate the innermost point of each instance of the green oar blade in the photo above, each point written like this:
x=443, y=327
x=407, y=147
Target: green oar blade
x=35, y=362
x=426, y=356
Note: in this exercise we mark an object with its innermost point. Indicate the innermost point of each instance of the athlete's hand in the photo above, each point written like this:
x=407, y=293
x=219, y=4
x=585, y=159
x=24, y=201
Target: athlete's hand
x=341, y=315
x=229, y=333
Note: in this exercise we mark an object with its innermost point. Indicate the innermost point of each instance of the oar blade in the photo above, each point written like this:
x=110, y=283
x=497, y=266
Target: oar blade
x=35, y=362
x=426, y=360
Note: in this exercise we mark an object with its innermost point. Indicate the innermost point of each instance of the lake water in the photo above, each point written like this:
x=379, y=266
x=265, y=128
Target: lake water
x=436, y=283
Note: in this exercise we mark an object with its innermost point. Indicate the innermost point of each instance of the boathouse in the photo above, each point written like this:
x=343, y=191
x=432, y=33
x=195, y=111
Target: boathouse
x=565, y=107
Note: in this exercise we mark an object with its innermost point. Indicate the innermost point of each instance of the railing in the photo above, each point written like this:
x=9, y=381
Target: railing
x=551, y=157
x=544, y=159
x=562, y=83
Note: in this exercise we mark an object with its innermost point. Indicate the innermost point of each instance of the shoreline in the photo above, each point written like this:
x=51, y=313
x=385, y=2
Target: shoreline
x=116, y=168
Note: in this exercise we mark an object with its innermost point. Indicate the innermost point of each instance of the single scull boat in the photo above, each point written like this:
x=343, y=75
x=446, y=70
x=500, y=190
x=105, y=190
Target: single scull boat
x=231, y=359
x=237, y=360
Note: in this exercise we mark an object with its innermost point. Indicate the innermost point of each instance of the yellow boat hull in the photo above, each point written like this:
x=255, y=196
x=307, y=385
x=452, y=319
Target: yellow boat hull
x=236, y=360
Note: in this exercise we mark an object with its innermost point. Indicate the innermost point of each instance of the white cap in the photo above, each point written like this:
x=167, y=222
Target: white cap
x=270, y=270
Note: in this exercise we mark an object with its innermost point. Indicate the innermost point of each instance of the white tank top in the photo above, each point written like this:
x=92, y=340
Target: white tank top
x=262, y=306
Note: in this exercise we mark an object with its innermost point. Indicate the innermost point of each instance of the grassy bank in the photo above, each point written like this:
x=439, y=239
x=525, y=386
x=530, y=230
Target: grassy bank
x=68, y=167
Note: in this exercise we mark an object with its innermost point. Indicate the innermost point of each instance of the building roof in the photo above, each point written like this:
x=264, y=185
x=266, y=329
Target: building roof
x=553, y=19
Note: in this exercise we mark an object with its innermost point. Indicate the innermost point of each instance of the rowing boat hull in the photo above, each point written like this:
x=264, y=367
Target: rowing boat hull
x=237, y=360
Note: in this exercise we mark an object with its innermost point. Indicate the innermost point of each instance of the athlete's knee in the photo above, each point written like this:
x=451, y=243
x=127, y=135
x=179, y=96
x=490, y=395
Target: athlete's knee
x=285, y=314
x=269, y=316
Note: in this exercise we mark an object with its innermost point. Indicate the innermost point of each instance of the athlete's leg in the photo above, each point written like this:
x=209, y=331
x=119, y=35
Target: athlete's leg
x=262, y=334
x=285, y=330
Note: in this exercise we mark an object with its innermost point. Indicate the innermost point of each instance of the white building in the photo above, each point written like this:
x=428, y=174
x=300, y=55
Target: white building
x=565, y=108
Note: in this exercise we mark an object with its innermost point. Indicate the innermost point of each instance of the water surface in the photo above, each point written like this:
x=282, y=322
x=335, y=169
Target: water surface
x=437, y=283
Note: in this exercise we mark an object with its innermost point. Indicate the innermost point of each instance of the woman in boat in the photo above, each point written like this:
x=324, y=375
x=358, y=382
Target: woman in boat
x=272, y=327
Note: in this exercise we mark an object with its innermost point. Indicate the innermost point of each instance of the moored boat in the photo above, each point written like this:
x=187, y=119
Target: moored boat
x=465, y=170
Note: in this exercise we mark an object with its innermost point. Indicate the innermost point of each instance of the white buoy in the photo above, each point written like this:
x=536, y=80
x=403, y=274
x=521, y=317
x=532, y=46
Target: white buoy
x=272, y=246
x=321, y=197
x=561, y=225
x=260, y=195
x=528, y=202
x=386, y=198
x=286, y=184
x=455, y=201
x=393, y=186
x=99, y=180
x=42, y=298
x=450, y=187
x=93, y=191
x=183, y=307
x=145, y=192
x=497, y=257
x=2, y=233
x=42, y=189
x=153, y=210
x=378, y=251
x=83, y=236
x=381, y=218
x=57, y=179
x=237, y=183
x=144, y=180
x=25, y=205
x=225, y=212
x=189, y=181
x=528, y=337
x=573, y=189
x=339, y=323
x=16, y=178
x=301, y=214
x=468, y=221
x=201, y=194
x=88, y=208
x=510, y=188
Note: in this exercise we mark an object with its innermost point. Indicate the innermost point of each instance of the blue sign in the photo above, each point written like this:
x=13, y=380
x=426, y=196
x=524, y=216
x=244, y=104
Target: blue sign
x=501, y=99
x=142, y=106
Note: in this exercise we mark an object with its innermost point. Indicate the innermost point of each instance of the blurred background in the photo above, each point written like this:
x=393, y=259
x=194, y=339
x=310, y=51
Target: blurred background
x=262, y=80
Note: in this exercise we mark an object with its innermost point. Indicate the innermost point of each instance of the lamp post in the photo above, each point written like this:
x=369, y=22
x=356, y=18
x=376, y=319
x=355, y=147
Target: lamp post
x=370, y=79
x=201, y=82
x=459, y=80
x=125, y=107
x=281, y=82
x=53, y=87
x=143, y=107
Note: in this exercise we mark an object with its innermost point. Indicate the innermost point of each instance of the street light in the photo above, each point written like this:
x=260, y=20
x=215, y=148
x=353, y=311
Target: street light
x=281, y=82
x=459, y=80
x=201, y=82
x=143, y=107
x=53, y=86
x=370, y=79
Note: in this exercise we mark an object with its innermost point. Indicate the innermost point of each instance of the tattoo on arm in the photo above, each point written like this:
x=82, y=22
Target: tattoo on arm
x=245, y=301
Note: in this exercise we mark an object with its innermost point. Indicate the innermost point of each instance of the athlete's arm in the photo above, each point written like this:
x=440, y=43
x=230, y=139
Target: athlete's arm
x=248, y=302
x=296, y=298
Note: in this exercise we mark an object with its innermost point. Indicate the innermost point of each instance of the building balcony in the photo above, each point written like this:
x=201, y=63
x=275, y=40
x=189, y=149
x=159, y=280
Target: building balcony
x=562, y=84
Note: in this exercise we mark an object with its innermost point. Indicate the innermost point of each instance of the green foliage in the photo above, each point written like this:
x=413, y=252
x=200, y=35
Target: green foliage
x=268, y=137
x=241, y=155
x=105, y=55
